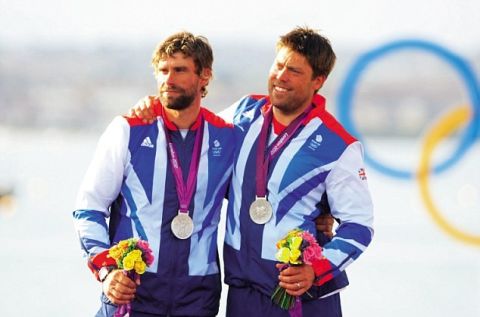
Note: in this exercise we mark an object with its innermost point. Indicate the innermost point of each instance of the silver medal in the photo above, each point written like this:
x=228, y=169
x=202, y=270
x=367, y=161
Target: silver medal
x=261, y=211
x=182, y=226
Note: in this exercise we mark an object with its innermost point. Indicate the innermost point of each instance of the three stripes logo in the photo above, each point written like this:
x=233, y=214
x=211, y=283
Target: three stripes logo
x=147, y=143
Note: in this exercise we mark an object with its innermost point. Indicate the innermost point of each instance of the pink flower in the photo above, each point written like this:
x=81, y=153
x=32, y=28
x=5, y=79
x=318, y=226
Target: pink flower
x=148, y=258
x=307, y=236
x=313, y=251
x=146, y=251
x=142, y=244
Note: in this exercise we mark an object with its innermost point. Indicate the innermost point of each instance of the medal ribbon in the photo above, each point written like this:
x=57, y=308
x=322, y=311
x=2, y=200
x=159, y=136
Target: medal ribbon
x=280, y=141
x=185, y=191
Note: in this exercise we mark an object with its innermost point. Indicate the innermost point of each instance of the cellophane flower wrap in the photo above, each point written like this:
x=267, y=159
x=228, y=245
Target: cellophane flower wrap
x=296, y=248
x=133, y=256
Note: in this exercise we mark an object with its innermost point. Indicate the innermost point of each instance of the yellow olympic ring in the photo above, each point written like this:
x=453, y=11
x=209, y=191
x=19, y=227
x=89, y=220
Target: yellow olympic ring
x=444, y=127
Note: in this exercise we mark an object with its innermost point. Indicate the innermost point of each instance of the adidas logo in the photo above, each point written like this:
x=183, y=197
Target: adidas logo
x=147, y=142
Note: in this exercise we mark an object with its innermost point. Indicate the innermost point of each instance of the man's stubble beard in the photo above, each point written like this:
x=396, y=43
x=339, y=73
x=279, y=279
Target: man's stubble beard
x=183, y=101
x=180, y=103
x=288, y=105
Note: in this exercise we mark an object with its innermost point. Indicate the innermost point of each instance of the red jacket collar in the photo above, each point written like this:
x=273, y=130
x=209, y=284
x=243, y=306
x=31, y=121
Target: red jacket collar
x=318, y=102
x=159, y=109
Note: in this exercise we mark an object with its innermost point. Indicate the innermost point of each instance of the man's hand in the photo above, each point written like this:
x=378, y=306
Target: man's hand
x=296, y=280
x=324, y=224
x=144, y=109
x=119, y=288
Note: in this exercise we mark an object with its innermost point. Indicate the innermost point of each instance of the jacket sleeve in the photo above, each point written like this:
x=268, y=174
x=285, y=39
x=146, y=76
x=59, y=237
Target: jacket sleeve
x=350, y=202
x=100, y=187
x=228, y=113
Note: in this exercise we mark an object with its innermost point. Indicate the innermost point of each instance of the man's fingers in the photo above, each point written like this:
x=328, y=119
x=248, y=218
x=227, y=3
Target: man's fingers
x=125, y=282
x=149, y=99
x=121, y=290
x=148, y=109
x=119, y=298
x=148, y=114
x=138, y=112
x=325, y=219
x=290, y=278
x=294, y=289
x=296, y=280
x=137, y=279
x=324, y=223
x=296, y=292
x=122, y=293
x=291, y=271
x=294, y=285
x=144, y=110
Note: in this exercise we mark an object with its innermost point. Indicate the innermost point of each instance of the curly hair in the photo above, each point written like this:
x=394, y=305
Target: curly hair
x=196, y=47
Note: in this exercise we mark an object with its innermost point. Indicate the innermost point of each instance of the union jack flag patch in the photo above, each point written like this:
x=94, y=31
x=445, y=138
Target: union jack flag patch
x=362, y=174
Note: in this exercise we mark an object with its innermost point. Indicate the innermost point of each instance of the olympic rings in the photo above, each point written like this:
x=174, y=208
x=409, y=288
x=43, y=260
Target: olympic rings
x=347, y=92
x=443, y=128
x=446, y=125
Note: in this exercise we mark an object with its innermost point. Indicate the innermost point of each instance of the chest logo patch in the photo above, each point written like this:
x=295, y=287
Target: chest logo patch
x=217, y=148
x=315, y=142
x=147, y=143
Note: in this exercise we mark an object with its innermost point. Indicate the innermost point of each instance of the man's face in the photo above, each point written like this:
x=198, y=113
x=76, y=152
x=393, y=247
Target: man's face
x=290, y=83
x=178, y=83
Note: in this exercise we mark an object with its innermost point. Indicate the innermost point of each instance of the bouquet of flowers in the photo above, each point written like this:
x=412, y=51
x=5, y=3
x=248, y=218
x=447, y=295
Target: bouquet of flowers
x=296, y=248
x=133, y=256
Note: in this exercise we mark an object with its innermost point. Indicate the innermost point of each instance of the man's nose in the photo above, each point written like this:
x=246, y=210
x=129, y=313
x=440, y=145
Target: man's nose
x=282, y=74
x=169, y=78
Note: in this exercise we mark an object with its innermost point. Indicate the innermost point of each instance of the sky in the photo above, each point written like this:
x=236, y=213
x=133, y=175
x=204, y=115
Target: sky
x=346, y=23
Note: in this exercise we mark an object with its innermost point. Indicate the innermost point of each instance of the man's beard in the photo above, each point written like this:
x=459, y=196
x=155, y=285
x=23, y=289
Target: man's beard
x=288, y=104
x=183, y=101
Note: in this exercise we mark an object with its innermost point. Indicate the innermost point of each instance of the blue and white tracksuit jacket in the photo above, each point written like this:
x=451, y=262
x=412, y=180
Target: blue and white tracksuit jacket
x=129, y=191
x=321, y=165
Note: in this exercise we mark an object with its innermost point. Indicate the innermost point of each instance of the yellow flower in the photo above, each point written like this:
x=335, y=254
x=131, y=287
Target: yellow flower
x=115, y=252
x=295, y=243
x=294, y=255
x=140, y=267
x=136, y=255
x=123, y=244
x=128, y=262
x=283, y=255
x=282, y=243
x=293, y=233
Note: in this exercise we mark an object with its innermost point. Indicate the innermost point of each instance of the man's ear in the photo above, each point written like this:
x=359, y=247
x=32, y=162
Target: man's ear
x=206, y=75
x=318, y=82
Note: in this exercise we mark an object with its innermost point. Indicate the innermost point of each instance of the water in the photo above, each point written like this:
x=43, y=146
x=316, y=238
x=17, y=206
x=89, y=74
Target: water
x=412, y=267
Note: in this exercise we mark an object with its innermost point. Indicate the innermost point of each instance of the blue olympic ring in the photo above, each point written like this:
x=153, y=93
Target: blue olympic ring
x=347, y=92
